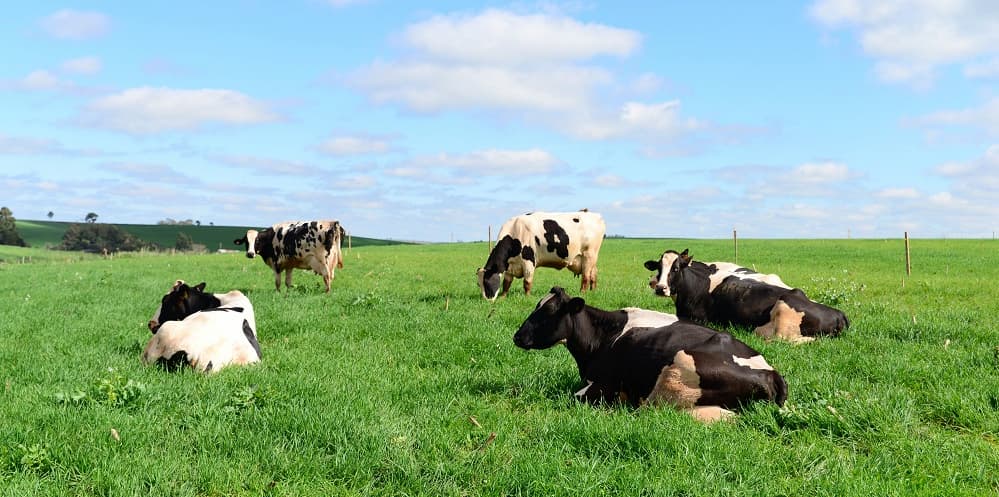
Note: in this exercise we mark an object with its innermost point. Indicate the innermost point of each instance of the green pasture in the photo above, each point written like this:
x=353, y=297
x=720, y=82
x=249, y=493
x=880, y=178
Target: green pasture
x=404, y=381
x=49, y=234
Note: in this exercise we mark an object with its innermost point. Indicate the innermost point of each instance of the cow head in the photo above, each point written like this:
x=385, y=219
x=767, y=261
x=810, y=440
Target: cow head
x=660, y=281
x=676, y=273
x=491, y=276
x=250, y=240
x=180, y=302
x=547, y=326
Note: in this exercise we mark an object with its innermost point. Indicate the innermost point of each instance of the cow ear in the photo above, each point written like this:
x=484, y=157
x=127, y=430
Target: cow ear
x=685, y=252
x=200, y=287
x=575, y=305
x=653, y=265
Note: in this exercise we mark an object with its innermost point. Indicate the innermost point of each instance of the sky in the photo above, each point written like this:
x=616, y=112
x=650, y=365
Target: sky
x=434, y=121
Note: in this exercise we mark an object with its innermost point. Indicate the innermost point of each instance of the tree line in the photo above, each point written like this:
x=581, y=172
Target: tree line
x=91, y=236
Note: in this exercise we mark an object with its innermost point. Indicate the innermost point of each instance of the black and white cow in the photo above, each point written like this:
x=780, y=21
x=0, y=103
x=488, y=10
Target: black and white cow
x=704, y=372
x=703, y=294
x=543, y=239
x=660, y=285
x=202, y=330
x=288, y=246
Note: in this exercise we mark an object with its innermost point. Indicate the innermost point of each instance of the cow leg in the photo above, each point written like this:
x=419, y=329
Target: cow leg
x=287, y=277
x=589, y=275
x=277, y=279
x=528, y=277
x=507, y=281
x=710, y=414
x=324, y=269
x=712, y=381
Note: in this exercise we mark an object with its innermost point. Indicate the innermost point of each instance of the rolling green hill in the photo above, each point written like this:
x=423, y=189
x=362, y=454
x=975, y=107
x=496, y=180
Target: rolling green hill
x=49, y=233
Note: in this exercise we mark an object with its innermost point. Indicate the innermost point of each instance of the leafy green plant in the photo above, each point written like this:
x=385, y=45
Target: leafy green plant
x=114, y=390
x=249, y=397
x=35, y=457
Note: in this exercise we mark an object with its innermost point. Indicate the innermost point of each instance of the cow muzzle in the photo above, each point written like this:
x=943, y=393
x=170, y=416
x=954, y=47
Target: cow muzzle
x=153, y=326
x=661, y=291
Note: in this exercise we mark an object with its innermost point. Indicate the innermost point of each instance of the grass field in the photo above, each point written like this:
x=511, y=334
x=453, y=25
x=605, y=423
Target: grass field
x=404, y=381
x=49, y=234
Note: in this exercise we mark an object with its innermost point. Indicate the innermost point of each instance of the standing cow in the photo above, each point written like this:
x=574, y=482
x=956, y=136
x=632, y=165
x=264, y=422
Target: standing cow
x=696, y=369
x=288, y=246
x=703, y=294
x=203, y=330
x=543, y=239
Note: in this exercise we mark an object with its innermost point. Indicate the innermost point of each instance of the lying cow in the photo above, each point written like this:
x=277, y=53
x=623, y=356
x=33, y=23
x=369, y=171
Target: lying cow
x=660, y=284
x=704, y=372
x=298, y=245
x=202, y=330
x=704, y=294
x=543, y=239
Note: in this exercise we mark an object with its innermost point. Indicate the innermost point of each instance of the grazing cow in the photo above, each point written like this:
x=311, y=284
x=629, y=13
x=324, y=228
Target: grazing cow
x=703, y=294
x=203, y=330
x=660, y=285
x=704, y=372
x=288, y=246
x=543, y=239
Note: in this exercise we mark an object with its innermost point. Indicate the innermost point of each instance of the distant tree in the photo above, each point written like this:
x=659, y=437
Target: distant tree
x=91, y=217
x=94, y=237
x=211, y=223
x=184, y=242
x=51, y=214
x=197, y=223
x=8, y=229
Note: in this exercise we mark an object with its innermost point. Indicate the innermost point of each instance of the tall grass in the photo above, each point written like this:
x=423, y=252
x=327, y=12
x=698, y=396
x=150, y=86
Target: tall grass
x=404, y=380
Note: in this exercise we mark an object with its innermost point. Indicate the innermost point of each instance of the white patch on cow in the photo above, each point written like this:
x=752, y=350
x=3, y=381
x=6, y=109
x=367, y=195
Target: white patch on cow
x=665, y=264
x=251, y=242
x=710, y=414
x=726, y=269
x=583, y=390
x=644, y=318
x=755, y=362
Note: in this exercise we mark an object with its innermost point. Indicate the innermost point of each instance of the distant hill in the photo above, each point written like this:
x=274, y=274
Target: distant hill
x=49, y=233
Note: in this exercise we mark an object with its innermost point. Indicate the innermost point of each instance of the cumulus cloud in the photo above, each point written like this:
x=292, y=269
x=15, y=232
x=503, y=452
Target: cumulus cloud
x=41, y=80
x=72, y=24
x=910, y=39
x=546, y=69
x=354, y=145
x=149, y=110
x=82, y=65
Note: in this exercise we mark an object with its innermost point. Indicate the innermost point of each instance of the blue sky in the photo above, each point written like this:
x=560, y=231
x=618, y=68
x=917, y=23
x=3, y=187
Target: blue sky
x=434, y=120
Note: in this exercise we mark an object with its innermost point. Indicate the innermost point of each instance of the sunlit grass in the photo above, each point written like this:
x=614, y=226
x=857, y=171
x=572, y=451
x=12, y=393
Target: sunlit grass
x=404, y=380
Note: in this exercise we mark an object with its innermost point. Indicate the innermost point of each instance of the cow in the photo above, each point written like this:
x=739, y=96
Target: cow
x=660, y=285
x=202, y=330
x=294, y=245
x=706, y=373
x=703, y=294
x=543, y=239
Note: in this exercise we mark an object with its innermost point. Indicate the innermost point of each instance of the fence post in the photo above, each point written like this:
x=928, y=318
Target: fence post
x=490, y=244
x=908, y=261
x=735, y=241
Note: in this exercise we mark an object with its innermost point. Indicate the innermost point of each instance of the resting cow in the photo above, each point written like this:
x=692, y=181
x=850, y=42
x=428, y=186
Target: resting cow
x=543, y=239
x=704, y=372
x=660, y=284
x=288, y=246
x=203, y=330
x=703, y=294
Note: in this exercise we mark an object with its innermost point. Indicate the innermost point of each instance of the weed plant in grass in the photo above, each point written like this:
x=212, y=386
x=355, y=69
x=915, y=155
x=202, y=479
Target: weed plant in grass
x=403, y=380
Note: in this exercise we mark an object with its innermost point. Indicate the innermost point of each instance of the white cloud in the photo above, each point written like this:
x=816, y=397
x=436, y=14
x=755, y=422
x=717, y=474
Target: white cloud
x=40, y=80
x=911, y=38
x=494, y=162
x=82, y=65
x=546, y=69
x=985, y=117
x=152, y=110
x=354, y=145
x=819, y=173
x=76, y=24
x=263, y=165
x=358, y=182
x=898, y=193
x=508, y=39
x=986, y=69
x=15, y=145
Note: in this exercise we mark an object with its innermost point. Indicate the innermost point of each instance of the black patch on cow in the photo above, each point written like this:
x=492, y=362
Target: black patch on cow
x=208, y=368
x=557, y=238
x=575, y=219
x=250, y=337
x=537, y=241
x=527, y=253
x=184, y=301
x=234, y=309
x=174, y=362
x=264, y=246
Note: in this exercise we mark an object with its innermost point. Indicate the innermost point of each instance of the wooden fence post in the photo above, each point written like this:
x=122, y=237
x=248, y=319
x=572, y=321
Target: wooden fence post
x=735, y=240
x=908, y=261
x=490, y=244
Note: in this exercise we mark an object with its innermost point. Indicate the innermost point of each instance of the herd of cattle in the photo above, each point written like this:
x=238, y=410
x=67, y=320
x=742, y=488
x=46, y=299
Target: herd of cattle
x=631, y=355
